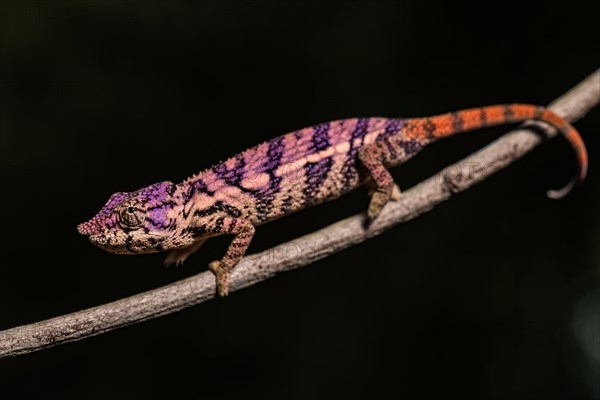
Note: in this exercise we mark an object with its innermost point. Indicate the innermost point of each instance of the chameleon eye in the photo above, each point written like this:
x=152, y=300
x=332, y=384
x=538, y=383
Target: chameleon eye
x=129, y=216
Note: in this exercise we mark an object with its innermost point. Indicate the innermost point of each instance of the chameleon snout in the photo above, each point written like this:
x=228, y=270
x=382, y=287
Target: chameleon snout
x=87, y=228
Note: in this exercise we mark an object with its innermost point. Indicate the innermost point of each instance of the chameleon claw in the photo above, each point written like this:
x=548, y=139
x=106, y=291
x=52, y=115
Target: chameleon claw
x=222, y=277
x=173, y=258
x=395, y=193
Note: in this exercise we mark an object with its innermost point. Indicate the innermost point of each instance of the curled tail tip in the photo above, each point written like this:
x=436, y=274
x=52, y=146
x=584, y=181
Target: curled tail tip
x=560, y=193
x=582, y=157
x=557, y=194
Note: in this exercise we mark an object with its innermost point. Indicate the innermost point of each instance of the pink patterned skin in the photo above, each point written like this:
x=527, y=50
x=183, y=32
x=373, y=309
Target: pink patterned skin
x=273, y=179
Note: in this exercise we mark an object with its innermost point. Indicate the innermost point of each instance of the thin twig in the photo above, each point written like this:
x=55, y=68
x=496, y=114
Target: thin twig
x=304, y=250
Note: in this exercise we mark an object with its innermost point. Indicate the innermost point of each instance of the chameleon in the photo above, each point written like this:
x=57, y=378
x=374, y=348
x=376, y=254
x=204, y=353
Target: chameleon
x=286, y=174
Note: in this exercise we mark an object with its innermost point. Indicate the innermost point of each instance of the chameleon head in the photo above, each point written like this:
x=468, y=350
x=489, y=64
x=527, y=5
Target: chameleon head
x=136, y=222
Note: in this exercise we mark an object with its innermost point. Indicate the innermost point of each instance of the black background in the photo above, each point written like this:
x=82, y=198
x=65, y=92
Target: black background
x=488, y=296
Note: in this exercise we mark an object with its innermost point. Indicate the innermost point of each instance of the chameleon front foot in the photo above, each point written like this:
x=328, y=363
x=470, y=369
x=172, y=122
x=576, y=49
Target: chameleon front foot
x=221, y=275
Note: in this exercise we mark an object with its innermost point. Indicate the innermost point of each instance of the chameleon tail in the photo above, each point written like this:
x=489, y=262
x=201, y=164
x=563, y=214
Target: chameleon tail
x=476, y=118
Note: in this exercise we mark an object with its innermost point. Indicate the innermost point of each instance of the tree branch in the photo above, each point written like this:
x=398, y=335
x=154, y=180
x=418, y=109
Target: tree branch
x=304, y=250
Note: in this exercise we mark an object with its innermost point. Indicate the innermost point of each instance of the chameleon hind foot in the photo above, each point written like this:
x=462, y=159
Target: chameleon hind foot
x=378, y=200
x=221, y=275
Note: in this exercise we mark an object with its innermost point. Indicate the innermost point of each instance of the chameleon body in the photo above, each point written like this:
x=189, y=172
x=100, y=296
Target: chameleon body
x=286, y=174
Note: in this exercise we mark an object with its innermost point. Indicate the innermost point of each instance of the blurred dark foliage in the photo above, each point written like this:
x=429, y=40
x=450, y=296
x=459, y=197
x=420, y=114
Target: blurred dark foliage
x=492, y=295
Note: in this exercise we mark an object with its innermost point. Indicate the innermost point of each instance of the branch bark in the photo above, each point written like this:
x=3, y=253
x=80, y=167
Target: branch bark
x=255, y=268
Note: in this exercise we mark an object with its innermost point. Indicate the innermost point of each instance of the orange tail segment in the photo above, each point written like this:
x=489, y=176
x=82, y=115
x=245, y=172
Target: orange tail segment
x=476, y=118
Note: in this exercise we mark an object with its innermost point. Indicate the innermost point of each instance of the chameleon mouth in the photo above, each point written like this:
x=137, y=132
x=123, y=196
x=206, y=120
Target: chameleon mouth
x=100, y=241
x=111, y=245
x=94, y=235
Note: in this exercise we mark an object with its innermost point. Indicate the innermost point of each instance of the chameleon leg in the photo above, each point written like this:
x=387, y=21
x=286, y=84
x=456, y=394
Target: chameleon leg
x=178, y=256
x=243, y=231
x=372, y=157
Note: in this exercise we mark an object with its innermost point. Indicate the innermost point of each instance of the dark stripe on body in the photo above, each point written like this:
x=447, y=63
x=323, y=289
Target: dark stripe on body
x=391, y=148
x=349, y=170
x=428, y=127
x=265, y=197
x=196, y=231
x=457, y=123
x=508, y=113
x=316, y=173
x=218, y=206
x=234, y=176
x=320, y=139
x=410, y=146
x=194, y=187
x=392, y=126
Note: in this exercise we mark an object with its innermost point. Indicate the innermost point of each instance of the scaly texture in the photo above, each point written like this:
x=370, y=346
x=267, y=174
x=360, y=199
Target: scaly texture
x=287, y=174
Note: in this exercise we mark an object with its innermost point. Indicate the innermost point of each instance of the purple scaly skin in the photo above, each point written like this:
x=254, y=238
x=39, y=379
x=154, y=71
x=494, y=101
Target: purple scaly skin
x=284, y=175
